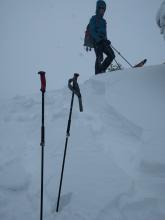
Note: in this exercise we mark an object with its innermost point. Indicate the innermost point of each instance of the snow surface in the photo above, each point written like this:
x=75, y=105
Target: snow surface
x=115, y=167
x=160, y=18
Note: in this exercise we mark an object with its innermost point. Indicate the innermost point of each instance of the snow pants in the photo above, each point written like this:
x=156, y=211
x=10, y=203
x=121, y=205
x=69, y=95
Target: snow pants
x=100, y=64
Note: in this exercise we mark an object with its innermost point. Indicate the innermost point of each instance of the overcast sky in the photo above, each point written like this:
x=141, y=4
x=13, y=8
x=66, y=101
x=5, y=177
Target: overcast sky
x=48, y=35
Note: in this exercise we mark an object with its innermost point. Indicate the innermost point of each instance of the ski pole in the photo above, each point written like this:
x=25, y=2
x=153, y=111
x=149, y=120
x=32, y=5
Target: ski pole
x=74, y=87
x=117, y=64
x=121, y=56
x=42, y=144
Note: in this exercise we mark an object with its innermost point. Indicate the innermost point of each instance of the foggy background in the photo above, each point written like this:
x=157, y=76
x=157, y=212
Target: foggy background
x=48, y=35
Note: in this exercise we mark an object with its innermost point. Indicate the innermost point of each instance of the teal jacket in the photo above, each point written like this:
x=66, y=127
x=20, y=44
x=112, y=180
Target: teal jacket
x=97, y=24
x=97, y=28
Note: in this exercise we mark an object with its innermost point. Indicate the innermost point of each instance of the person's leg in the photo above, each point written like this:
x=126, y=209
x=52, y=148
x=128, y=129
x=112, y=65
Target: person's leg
x=108, y=60
x=99, y=59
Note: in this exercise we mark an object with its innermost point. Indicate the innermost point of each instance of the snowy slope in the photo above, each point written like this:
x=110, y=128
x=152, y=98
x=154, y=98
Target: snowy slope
x=115, y=165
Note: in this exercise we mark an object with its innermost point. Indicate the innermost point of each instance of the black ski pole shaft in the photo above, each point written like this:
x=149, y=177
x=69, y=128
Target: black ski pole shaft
x=65, y=150
x=117, y=64
x=42, y=157
x=121, y=56
x=42, y=144
x=73, y=86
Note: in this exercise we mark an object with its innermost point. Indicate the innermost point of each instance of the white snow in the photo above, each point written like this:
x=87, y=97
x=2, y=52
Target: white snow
x=160, y=18
x=115, y=167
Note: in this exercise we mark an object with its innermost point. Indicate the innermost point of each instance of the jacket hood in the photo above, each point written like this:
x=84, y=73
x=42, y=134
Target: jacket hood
x=100, y=3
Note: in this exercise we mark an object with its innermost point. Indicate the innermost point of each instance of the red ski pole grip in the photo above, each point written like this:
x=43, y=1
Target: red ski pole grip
x=43, y=81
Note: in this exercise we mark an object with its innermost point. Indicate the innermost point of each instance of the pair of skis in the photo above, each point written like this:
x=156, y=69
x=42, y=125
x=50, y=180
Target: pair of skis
x=74, y=87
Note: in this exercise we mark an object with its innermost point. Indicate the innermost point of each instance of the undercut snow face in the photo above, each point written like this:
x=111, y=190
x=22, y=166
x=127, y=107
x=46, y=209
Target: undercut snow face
x=115, y=166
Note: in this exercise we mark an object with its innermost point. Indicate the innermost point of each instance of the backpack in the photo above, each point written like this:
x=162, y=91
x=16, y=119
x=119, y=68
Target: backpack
x=88, y=40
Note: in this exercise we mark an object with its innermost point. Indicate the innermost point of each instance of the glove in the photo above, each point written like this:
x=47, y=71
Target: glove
x=108, y=42
x=105, y=42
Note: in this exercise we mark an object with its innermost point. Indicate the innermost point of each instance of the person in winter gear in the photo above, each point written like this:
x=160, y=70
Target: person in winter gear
x=98, y=31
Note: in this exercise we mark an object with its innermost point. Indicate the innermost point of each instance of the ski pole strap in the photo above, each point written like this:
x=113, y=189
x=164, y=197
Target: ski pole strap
x=74, y=87
x=43, y=81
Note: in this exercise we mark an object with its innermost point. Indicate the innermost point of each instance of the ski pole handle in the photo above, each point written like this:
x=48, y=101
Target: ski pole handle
x=74, y=80
x=75, y=89
x=43, y=81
